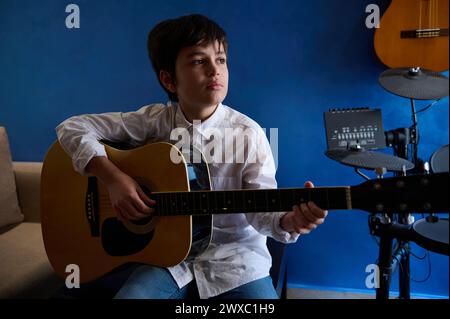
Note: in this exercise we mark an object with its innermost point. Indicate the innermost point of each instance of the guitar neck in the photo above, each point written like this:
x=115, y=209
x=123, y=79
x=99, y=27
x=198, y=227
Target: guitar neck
x=249, y=201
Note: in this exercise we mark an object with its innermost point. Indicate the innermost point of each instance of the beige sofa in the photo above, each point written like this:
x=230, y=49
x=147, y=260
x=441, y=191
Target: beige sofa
x=25, y=271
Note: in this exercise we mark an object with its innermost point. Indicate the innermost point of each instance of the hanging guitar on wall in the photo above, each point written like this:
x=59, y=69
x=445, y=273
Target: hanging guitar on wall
x=414, y=33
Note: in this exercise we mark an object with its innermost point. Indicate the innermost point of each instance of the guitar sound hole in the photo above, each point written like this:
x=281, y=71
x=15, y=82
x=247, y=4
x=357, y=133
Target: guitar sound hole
x=117, y=240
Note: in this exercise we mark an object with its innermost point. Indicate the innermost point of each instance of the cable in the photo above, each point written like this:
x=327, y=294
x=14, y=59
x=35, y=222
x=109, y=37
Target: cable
x=376, y=241
x=428, y=106
x=427, y=254
x=373, y=236
x=417, y=257
x=397, y=244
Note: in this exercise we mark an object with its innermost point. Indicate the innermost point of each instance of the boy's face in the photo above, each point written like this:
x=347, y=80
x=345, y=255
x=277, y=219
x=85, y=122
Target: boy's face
x=201, y=75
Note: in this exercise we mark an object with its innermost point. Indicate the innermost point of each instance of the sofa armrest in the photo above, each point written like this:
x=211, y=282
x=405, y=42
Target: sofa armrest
x=28, y=183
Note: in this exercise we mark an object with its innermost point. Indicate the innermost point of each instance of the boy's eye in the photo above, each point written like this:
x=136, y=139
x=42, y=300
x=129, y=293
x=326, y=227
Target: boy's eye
x=198, y=62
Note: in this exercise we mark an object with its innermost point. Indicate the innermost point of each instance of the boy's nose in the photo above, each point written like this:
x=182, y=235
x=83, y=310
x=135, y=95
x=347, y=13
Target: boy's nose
x=213, y=69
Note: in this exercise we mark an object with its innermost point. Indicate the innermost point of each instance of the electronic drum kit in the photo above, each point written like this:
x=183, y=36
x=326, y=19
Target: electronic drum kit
x=415, y=84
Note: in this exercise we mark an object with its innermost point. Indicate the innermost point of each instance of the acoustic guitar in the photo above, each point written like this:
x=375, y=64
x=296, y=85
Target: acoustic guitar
x=414, y=33
x=79, y=226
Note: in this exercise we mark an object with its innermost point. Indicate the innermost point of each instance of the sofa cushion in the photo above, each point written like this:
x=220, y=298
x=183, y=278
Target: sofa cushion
x=9, y=206
x=25, y=271
x=28, y=183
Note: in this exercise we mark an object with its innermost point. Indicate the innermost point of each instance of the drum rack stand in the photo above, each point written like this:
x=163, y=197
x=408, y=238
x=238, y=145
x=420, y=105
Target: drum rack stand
x=396, y=226
x=387, y=229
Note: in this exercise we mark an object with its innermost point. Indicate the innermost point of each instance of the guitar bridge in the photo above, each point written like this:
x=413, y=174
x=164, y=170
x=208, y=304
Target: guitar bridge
x=423, y=33
x=91, y=206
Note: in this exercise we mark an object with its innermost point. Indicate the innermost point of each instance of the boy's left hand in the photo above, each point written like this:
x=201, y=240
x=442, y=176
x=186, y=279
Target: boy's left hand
x=304, y=217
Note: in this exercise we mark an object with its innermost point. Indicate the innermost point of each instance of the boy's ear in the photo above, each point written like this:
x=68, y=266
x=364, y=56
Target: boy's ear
x=166, y=80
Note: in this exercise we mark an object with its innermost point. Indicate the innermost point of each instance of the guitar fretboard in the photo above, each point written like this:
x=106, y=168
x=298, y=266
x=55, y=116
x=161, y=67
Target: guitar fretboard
x=249, y=201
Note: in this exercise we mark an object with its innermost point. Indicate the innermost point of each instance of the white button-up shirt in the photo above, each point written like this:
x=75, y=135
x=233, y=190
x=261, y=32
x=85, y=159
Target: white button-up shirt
x=237, y=253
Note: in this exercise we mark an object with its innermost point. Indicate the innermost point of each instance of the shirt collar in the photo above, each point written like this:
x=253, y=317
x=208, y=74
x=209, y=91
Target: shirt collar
x=212, y=121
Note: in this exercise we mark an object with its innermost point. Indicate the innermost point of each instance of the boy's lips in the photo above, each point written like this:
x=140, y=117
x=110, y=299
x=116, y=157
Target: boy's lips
x=214, y=85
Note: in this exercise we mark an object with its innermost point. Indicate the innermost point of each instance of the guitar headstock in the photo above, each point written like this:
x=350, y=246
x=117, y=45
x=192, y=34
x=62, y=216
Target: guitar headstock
x=409, y=194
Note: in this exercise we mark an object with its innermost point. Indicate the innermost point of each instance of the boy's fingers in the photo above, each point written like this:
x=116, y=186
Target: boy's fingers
x=317, y=211
x=309, y=184
x=131, y=212
x=141, y=207
x=147, y=200
x=307, y=214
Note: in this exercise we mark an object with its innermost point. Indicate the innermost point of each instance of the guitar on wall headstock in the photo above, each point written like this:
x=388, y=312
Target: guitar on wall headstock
x=414, y=33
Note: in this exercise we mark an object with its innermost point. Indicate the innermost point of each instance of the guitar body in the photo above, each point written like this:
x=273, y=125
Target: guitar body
x=403, y=40
x=79, y=226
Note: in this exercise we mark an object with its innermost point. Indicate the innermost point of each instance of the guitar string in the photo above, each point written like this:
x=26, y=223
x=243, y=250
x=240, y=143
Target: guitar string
x=105, y=203
x=436, y=15
x=432, y=13
x=429, y=13
x=432, y=6
x=420, y=14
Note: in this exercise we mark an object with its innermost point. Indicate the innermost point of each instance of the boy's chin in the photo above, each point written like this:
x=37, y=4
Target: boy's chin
x=212, y=101
x=202, y=102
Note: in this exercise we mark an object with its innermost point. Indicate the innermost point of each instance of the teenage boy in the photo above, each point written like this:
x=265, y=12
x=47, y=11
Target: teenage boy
x=189, y=56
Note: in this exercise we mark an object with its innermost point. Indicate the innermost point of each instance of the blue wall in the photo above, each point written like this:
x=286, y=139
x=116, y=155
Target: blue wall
x=289, y=62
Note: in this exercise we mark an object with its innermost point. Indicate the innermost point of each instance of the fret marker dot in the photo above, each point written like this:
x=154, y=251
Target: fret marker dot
x=273, y=200
x=249, y=201
x=229, y=202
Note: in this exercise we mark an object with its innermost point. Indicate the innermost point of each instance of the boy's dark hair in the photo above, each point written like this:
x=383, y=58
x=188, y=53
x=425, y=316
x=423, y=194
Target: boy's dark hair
x=168, y=37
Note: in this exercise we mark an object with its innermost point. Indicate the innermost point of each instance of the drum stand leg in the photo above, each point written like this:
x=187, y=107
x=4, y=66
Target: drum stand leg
x=385, y=267
x=401, y=150
x=388, y=260
x=404, y=271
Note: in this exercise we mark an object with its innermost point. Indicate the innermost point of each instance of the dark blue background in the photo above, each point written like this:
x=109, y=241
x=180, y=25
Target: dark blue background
x=289, y=62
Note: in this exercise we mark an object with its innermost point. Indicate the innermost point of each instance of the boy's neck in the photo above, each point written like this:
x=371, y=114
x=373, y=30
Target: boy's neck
x=201, y=114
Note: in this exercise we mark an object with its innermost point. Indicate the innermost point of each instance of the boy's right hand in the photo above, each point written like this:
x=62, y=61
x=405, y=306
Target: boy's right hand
x=128, y=200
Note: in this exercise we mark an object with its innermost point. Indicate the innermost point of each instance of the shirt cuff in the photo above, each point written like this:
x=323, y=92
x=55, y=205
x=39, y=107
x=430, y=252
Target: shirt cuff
x=280, y=234
x=85, y=154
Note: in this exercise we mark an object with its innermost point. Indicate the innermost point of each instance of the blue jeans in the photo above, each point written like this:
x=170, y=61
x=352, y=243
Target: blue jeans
x=148, y=282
